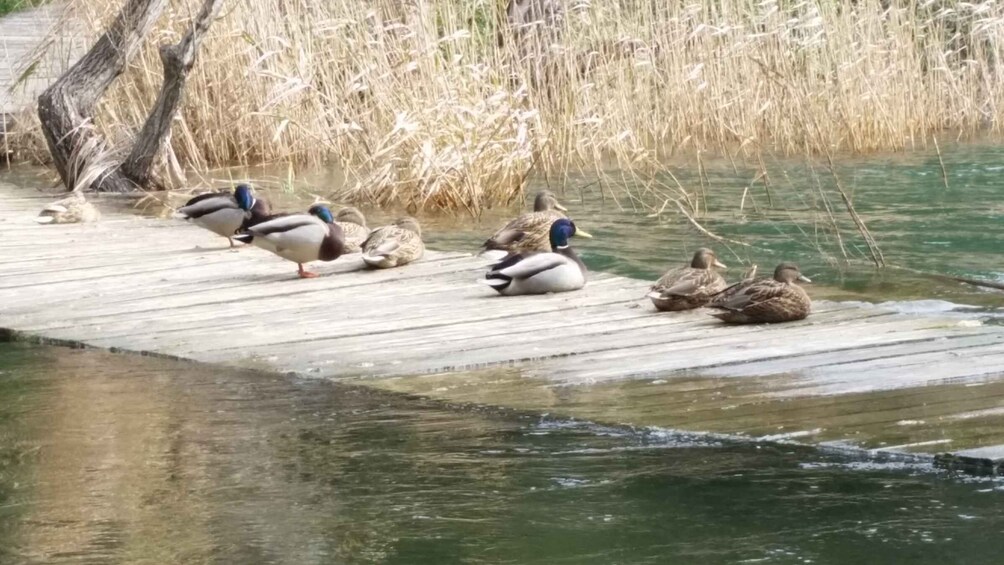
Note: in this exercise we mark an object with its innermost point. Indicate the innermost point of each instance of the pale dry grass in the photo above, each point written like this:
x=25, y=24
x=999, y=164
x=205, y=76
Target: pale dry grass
x=417, y=100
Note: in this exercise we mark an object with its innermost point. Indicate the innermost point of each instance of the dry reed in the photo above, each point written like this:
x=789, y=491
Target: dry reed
x=425, y=108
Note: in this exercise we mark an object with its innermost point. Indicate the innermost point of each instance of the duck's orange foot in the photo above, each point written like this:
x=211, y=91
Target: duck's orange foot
x=305, y=274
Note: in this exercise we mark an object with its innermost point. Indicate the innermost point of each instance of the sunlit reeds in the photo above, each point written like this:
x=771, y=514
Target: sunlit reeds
x=423, y=105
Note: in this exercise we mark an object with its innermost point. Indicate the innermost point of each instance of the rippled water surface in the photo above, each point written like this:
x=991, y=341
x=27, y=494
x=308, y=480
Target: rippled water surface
x=122, y=459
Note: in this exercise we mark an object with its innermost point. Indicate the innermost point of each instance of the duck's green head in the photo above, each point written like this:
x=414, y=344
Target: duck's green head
x=244, y=196
x=322, y=212
x=562, y=230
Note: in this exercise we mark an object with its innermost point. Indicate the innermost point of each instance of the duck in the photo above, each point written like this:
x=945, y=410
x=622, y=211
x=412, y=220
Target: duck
x=686, y=288
x=394, y=245
x=73, y=209
x=767, y=300
x=559, y=270
x=300, y=238
x=353, y=225
x=529, y=232
x=225, y=213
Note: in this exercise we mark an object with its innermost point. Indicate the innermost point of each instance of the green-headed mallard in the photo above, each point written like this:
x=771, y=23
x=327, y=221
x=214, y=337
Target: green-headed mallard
x=394, y=245
x=686, y=288
x=225, y=213
x=300, y=238
x=353, y=225
x=70, y=210
x=529, y=232
x=772, y=300
x=559, y=270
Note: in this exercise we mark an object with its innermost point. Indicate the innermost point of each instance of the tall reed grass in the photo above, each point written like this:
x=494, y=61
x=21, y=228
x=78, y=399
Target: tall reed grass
x=423, y=104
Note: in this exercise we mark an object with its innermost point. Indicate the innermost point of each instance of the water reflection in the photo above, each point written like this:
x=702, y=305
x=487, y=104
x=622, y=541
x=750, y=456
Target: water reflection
x=124, y=459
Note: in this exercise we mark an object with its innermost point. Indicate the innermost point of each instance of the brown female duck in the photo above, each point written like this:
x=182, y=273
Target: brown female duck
x=353, y=225
x=772, y=300
x=529, y=232
x=70, y=210
x=392, y=246
x=686, y=288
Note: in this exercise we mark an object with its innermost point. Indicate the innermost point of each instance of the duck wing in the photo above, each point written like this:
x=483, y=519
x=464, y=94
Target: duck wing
x=752, y=295
x=526, y=266
x=283, y=223
x=207, y=204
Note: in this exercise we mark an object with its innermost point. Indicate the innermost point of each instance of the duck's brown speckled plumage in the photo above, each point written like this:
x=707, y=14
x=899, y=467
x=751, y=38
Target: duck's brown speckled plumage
x=529, y=232
x=394, y=245
x=766, y=300
x=353, y=225
x=686, y=288
x=70, y=210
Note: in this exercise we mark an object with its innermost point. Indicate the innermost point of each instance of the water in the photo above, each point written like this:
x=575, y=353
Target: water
x=123, y=459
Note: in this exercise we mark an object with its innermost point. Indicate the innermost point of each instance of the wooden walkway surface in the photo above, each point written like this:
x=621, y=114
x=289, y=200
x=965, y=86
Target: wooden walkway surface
x=162, y=287
x=24, y=39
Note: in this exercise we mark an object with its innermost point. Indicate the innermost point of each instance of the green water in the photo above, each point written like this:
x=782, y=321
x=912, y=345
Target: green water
x=121, y=459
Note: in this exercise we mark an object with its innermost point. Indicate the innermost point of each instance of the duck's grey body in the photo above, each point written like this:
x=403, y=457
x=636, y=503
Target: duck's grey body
x=300, y=238
x=224, y=213
x=217, y=212
x=538, y=273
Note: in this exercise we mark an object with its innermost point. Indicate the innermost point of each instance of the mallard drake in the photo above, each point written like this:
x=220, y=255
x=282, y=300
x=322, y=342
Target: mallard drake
x=225, y=213
x=767, y=300
x=300, y=238
x=529, y=232
x=70, y=210
x=353, y=225
x=559, y=270
x=686, y=288
x=394, y=245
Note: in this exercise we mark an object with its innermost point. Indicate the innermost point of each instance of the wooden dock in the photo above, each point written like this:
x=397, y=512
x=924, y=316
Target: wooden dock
x=31, y=59
x=850, y=376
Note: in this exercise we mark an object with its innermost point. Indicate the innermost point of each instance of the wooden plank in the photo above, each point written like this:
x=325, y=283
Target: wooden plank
x=21, y=34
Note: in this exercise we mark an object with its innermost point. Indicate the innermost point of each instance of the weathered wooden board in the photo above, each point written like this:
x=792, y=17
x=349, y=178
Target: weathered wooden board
x=849, y=373
x=31, y=56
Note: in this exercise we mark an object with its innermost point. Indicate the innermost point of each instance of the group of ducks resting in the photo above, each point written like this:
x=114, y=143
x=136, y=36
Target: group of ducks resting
x=538, y=258
x=316, y=235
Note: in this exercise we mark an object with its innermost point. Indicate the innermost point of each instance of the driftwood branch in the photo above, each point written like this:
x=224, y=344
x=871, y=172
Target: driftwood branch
x=177, y=61
x=67, y=108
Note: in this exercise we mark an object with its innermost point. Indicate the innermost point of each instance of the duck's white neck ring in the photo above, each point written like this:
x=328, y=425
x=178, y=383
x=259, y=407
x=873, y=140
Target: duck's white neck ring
x=253, y=202
x=561, y=247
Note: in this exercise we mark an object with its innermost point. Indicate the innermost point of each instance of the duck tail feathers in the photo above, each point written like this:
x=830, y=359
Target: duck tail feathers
x=244, y=237
x=498, y=281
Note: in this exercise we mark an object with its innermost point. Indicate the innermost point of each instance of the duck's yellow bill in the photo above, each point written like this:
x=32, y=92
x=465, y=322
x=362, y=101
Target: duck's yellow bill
x=582, y=232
